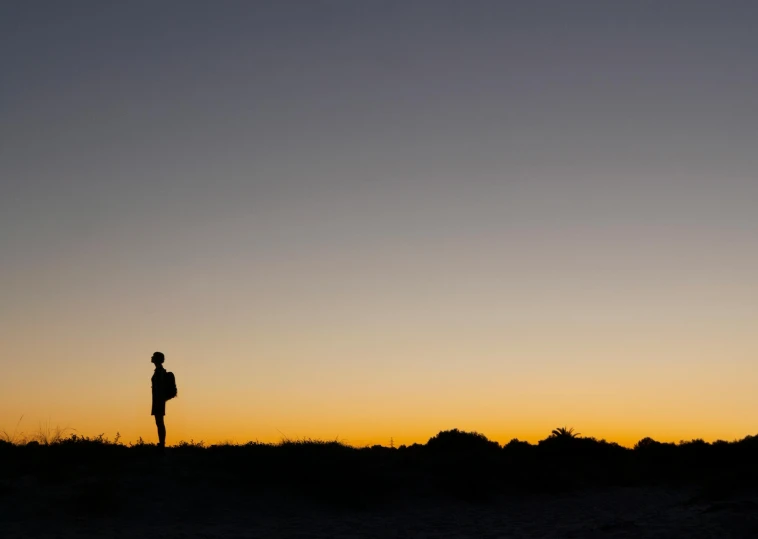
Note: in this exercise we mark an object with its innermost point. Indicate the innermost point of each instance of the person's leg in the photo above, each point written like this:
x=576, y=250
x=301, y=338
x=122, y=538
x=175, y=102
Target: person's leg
x=161, y=430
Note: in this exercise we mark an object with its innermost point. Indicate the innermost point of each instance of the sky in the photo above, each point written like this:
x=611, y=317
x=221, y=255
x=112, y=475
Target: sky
x=372, y=221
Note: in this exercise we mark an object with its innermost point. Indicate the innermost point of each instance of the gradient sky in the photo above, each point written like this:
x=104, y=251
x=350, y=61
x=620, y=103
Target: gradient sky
x=365, y=220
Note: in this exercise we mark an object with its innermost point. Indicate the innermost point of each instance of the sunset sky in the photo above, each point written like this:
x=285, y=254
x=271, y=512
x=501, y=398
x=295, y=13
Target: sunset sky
x=380, y=219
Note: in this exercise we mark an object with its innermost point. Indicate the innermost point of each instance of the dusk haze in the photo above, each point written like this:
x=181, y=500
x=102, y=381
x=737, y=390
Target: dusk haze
x=372, y=221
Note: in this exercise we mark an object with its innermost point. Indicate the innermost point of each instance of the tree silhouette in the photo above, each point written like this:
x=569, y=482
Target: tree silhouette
x=563, y=432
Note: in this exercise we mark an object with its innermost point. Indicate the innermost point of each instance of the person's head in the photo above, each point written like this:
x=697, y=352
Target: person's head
x=158, y=358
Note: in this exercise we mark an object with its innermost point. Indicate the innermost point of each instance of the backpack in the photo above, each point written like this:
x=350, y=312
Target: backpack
x=169, y=386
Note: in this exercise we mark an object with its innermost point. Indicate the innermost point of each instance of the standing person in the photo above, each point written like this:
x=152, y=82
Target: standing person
x=159, y=396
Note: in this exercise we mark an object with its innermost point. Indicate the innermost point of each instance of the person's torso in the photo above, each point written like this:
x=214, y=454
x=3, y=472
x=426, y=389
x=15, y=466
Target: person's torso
x=157, y=381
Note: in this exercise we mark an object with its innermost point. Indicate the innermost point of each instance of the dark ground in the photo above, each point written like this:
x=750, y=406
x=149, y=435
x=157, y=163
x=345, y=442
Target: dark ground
x=456, y=485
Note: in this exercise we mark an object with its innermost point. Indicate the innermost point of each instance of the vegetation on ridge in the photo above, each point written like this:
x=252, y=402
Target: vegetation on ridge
x=453, y=463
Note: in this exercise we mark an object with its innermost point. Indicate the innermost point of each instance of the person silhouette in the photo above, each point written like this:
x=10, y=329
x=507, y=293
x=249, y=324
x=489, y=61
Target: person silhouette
x=159, y=400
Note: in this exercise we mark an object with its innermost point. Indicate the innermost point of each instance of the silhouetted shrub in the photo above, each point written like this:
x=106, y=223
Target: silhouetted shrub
x=460, y=441
x=645, y=444
x=516, y=444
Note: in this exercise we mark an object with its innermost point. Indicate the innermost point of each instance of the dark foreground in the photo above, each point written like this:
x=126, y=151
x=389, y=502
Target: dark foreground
x=464, y=487
x=143, y=511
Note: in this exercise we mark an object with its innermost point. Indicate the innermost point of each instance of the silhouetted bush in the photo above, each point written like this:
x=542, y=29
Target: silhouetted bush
x=457, y=441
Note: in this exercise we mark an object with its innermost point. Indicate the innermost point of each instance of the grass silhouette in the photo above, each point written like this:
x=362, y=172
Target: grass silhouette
x=46, y=434
x=15, y=437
